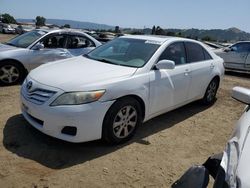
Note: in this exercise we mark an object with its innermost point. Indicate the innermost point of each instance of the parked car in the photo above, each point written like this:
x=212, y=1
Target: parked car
x=110, y=91
x=212, y=45
x=27, y=51
x=104, y=37
x=236, y=56
x=6, y=28
x=24, y=29
x=230, y=169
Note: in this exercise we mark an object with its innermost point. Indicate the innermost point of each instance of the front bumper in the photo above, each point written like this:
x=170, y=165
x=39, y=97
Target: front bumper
x=86, y=118
x=9, y=31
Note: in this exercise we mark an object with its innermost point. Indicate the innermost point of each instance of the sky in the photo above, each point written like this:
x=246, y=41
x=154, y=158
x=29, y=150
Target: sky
x=182, y=14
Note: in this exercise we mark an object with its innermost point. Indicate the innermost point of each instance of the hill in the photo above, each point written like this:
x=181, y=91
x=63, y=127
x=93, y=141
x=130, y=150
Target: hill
x=232, y=34
x=74, y=24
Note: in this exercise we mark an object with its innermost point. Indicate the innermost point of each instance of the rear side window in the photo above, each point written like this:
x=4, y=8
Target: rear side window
x=207, y=56
x=175, y=52
x=75, y=42
x=195, y=52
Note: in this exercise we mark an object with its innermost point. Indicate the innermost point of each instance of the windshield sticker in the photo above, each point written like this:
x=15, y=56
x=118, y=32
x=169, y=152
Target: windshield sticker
x=153, y=42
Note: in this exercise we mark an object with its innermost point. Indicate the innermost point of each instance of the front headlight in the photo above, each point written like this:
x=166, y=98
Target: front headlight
x=76, y=98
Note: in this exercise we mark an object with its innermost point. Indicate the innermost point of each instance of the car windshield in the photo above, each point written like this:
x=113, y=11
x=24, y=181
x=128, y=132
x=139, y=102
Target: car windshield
x=26, y=39
x=125, y=52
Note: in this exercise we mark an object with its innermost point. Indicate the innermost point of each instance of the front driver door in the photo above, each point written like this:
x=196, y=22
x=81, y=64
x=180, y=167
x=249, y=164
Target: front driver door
x=247, y=63
x=54, y=49
x=236, y=58
x=169, y=88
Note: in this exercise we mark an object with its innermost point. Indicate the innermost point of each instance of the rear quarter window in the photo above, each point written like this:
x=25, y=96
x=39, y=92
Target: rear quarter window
x=207, y=56
x=195, y=52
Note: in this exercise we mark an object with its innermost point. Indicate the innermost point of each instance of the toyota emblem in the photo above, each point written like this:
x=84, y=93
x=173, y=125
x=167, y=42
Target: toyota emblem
x=29, y=85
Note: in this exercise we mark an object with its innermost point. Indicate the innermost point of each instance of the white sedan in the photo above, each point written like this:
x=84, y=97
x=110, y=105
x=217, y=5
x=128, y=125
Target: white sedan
x=113, y=89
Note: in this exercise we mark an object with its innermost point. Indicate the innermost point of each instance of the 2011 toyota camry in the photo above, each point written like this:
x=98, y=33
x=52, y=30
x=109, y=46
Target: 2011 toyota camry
x=110, y=91
x=29, y=50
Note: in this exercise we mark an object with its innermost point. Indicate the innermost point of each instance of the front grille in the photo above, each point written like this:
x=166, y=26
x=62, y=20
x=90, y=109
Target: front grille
x=38, y=96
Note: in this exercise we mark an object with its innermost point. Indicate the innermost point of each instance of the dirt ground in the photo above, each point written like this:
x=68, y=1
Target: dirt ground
x=161, y=151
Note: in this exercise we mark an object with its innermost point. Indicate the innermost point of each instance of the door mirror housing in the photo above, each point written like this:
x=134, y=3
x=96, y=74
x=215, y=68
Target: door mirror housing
x=195, y=177
x=241, y=94
x=165, y=64
x=38, y=46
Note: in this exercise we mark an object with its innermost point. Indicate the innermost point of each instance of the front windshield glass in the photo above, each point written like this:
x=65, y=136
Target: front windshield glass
x=125, y=52
x=26, y=39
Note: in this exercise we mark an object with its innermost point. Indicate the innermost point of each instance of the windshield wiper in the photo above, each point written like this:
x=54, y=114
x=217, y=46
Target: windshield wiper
x=106, y=61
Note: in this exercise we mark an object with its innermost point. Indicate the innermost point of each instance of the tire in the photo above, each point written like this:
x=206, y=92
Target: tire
x=121, y=120
x=210, y=95
x=11, y=73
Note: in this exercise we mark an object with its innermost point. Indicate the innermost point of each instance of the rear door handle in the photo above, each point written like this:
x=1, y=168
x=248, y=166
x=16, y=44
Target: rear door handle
x=212, y=66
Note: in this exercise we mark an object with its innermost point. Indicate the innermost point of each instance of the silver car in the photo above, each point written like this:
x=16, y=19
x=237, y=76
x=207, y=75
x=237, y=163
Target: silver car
x=6, y=28
x=236, y=56
x=28, y=51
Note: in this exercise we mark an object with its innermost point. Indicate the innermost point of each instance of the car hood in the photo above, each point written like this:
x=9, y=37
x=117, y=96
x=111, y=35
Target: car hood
x=219, y=51
x=5, y=47
x=79, y=73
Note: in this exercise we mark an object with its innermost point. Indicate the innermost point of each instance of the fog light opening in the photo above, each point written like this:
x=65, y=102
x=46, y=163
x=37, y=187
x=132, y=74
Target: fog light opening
x=69, y=130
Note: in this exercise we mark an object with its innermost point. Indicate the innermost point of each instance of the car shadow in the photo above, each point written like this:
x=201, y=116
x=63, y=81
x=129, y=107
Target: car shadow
x=238, y=74
x=22, y=139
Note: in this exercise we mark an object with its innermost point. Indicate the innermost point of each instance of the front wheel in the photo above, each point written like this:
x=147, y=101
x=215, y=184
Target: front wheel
x=11, y=73
x=122, y=120
x=210, y=95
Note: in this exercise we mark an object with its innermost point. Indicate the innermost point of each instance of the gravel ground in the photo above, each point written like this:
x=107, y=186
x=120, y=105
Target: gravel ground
x=161, y=151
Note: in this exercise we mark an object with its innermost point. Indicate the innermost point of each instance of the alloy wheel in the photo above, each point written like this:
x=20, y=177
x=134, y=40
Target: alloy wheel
x=125, y=121
x=9, y=74
x=211, y=92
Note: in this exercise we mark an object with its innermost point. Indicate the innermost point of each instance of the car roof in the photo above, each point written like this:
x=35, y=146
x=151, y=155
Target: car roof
x=61, y=30
x=157, y=38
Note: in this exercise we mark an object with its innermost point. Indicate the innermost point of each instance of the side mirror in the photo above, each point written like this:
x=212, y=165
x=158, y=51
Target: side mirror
x=241, y=94
x=194, y=177
x=38, y=46
x=165, y=64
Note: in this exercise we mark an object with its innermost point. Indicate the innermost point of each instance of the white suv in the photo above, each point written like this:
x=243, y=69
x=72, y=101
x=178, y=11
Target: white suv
x=111, y=90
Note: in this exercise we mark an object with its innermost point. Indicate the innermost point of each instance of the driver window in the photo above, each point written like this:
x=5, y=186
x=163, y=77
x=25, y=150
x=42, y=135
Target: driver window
x=241, y=47
x=54, y=41
x=175, y=52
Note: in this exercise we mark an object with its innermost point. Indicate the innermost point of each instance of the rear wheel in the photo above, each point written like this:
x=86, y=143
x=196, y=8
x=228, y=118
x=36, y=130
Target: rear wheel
x=122, y=120
x=11, y=73
x=210, y=95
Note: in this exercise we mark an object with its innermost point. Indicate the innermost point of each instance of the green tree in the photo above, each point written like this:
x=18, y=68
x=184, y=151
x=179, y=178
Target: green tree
x=6, y=18
x=207, y=38
x=153, y=30
x=160, y=31
x=170, y=33
x=117, y=29
x=40, y=21
x=66, y=26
